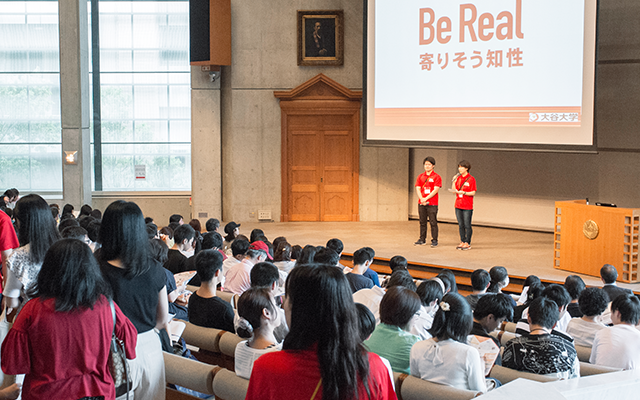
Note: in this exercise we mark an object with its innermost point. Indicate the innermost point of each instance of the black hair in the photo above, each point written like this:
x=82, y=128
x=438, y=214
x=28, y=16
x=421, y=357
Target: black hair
x=324, y=315
x=263, y=274
x=430, y=159
x=446, y=273
x=207, y=263
x=498, y=275
x=399, y=304
x=283, y=251
x=74, y=232
x=628, y=305
x=361, y=256
x=67, y=209
x=335, y=245
x=480, y=278
x=255, y=253
x=256, y=234
x=498, y=304
x=85, y=210
x=239, y=246
x=296, y=251
x=558, y=294
x=307, y=255
x=152, y=230
x=166, y=231
x=158, y=250
x=453, y=320
x=608, y=273
x=67, y=222
x=175, y=218
x=401, y=277
x=250, y=307
x=428, y=291
x=530, y=280
x=36, y=226
x=71, y=276
x=466, y=164
x=593, y=301
x=544, y=312
x=366, y=321
x=327, y=256
x=55, y=211
x=183, y=232
x=574, y=285
x=212, y=224
x=173, y=226
x=397, y=262
x=85, y=220
x=124, y=236
x=148, y=220
x=535, y=290
x=211, y=240
x=93, y=230
x=97, y=214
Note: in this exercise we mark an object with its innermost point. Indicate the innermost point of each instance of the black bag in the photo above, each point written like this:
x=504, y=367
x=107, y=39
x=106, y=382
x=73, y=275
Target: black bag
x=118, y=364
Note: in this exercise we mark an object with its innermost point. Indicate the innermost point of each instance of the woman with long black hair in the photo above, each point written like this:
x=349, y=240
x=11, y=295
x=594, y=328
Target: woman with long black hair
x=322, y=357
x=138, y=285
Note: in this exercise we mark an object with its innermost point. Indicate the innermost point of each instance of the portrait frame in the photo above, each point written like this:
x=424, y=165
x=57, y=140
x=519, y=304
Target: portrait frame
x=320, y=37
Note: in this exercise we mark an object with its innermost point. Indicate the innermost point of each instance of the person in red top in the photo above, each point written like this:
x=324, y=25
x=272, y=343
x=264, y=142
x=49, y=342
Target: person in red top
x=427, y=186
x=464, y=186
x=61, y=338
x=323, y=357
x=8, y=240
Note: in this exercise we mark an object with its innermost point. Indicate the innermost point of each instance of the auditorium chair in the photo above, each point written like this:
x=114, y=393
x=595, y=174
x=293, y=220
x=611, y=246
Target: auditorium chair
x=190, y=374
x=411, y=388
x=215, y=346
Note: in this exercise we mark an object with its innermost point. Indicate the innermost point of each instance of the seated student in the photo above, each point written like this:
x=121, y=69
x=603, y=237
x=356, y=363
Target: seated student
x=446, y=358
x=176, y=219
x=362, y=259
x=395, y=263
x=533, y=291
x=233, y=231
x=480, y=281
x=337, y=246
x=391, y=338
x=238, y=278
x=327, y=256
x=205, y=308
x=367, y=324
x=158, y=251
x=491, y=311
x=258, y=318
x=177, y=262
x=574, y=285
x=542, y=352
x=282, y=257
x=238, y=250
x=619, y=346
x=593, y=302
x=561, y=297
x=212, y=225
x=75, y=232
x=266, y=275
x=499, y=281
x=525, y=287
x=430, y=293
x=373, y=296
x=609, y=275
x=449, y=278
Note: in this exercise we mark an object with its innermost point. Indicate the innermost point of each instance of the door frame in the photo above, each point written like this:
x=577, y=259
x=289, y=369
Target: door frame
x=319, y=95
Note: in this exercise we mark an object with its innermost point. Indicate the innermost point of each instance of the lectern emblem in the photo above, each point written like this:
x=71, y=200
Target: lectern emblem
x=590, y=229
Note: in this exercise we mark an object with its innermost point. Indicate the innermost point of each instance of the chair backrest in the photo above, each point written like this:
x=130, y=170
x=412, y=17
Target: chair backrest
x=584, y=353
x=503, y=336
x=509, y=327
x=587, y=369
x=411, y=388
x=226, y=296
x=228, y=343
x=204, y=338
x=228, y=386
x=506, y=375
x=189, y=373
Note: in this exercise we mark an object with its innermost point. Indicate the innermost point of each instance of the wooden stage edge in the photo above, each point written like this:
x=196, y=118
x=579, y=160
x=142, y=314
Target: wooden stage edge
x=522, y=252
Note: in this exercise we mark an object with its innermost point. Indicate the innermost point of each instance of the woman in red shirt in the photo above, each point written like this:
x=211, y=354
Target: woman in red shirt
x=464, y=186
x=61, y=338
x=322, y=356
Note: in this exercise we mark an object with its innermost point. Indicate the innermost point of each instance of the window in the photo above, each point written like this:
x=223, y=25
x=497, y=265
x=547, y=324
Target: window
x=30, y=127
x=145, y=95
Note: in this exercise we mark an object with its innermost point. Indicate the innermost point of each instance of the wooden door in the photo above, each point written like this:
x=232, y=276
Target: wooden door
x=320, y=152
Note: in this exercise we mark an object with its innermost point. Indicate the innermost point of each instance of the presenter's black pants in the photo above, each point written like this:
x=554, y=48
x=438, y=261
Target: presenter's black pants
x=430, y=214
x=464, y=224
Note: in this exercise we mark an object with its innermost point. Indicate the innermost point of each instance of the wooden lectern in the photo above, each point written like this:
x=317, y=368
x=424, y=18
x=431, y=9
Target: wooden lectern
x=587, y=236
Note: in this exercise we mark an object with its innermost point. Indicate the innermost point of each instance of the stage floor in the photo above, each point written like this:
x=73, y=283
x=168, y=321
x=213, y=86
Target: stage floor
x=523, y=253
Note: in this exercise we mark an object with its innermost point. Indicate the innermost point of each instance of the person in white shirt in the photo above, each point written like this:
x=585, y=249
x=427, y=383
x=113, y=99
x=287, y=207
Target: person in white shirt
x=619, y=346
x=592, y=302
x=561, y=297
x=238, y=250
x=238, y=278
x=258, y=318
x=430, y=293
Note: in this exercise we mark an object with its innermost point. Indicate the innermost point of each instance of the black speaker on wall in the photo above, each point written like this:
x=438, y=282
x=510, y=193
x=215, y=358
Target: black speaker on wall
x=210, y=32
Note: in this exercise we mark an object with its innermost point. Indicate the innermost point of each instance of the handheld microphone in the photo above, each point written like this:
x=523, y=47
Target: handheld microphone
x=455, y=177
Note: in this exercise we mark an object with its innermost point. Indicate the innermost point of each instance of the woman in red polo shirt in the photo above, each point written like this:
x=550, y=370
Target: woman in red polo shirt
x=464, y=186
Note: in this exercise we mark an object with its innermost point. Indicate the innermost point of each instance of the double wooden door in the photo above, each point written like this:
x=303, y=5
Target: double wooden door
x=320, y=153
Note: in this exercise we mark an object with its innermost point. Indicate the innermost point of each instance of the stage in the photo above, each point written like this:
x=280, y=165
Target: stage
x=523, y=253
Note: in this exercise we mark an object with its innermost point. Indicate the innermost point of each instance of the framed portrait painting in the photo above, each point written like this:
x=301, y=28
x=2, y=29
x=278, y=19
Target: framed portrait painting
x=320, y=37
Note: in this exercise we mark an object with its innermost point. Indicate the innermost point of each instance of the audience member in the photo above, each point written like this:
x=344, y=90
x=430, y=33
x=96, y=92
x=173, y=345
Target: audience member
x=176, y=218
x=306, y=256
x=8, y=240
x=238, y=278
x=490, y=312
x=212, y=225
x=480, y=280
x=447, y=274
x=239, y=248
x=166, y=235
x=85, y=210
x=93, y=232
x=619, y=346
x=371, y=297
x=525, y=287
x=336, y=245
x=159, y=252
x=195, y=224
x=75, y=232
x=499, y=281
x=177, y=261
x=446, y=358
x=322, y=355
x=542, y=352
x=296, y=252
x=232, y=230
x=362, y=259
x=256, y=234
x=395, y=263
x=533, y=291
x=282, y=257
x=205, y=308
x=367, y=324
x=430, y=293
x=67, y=209
x=152, y=231
x=609, y=275
x=66, y=222
x=61, y=338
x=593, y=302
x=97, y=214
x=327, y=256
x=574, y=285
x=561, y=297
x=138, y=286
x=258, y=318
x=266, y=275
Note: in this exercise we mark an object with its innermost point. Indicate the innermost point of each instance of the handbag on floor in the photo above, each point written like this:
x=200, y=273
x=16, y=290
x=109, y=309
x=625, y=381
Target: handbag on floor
x=118, y=364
